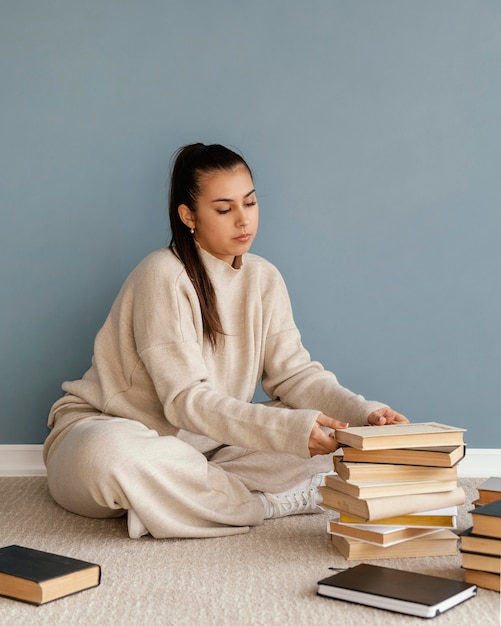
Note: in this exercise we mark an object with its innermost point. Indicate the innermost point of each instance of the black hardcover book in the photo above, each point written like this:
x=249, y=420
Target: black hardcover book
x=396, y=590
x=487, y=519
x=39, y=577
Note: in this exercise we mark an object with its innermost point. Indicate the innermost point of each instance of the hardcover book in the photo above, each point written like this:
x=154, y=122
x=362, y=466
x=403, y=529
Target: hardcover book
x=487, y=519
x=396, y=590
x=438, y=518
x=400, y=436
x=38, y=577
x=370, y=509
x=388, y=472
x=436, y=456
x=438, y=543
x=487, y=580
x=490, y=490
x=382, y=489
x=377, y=534
x=483, y=562
x=480, y=544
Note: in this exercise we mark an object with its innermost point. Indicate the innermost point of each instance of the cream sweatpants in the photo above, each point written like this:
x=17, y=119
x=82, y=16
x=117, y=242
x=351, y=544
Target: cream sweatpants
x=104, y=467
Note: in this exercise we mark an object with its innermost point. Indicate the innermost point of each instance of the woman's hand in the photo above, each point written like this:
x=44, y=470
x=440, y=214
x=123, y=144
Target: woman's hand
x=321, y=442
x=381, y=417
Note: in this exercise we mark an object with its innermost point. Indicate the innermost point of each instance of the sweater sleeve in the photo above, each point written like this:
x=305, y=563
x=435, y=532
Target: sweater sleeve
x=302, y=382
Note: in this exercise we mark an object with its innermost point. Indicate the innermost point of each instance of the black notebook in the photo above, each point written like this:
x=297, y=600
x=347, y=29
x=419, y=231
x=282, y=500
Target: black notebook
x=396, y=590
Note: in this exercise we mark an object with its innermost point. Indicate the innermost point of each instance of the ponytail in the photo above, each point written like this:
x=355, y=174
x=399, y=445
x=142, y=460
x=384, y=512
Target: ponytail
x=190, y=163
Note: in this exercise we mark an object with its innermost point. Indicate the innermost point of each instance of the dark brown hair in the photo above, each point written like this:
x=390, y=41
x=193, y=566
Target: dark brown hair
x=190, y=164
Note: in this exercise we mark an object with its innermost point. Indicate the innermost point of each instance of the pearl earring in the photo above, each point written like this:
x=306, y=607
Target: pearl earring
x=192, y=231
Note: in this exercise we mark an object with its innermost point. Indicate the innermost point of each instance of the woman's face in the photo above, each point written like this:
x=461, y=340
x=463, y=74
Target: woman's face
x=227, y=213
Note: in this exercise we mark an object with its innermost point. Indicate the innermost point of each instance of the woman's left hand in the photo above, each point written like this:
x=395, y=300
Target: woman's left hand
x=384, y=416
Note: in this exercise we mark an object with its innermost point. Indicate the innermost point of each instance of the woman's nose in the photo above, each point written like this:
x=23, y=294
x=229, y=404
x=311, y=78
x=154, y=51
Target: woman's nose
x=242, y=218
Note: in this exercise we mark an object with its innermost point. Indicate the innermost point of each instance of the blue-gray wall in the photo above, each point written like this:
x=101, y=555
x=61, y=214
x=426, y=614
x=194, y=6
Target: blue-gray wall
x=373, y=129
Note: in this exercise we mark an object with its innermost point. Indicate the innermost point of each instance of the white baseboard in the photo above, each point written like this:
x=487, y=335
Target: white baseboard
x=26, y=460
x=480, y=463
x=21, y=460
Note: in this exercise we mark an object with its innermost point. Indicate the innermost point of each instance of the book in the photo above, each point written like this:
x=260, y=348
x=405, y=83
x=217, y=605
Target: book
x=391, y=436
x=376, y=534
x=478, y=543
x=436, y=456
x=487, y=519
x=378, y=489
x=438, y=543
x=391, y=472
x=490, y=490
x=38, y=577
x=370, y=509
x=484, y=562
x=396, y=590
x=487, y=580
x=438, y=518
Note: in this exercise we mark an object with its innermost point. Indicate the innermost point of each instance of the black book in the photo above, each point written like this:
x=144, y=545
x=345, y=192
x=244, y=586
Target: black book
x=39, y=577
x=487, y=519
x=480, y=544
x=396, y=590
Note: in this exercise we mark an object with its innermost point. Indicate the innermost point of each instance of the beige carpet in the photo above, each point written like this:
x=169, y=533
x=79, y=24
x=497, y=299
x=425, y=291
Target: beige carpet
x=267, y=576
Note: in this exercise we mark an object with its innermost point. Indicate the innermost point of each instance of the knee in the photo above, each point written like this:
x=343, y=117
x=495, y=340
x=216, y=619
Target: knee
x=104, y=445
x=117, y=446
x=118, y=451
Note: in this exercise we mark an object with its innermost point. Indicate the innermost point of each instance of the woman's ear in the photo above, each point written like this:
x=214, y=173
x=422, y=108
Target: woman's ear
x=186, y=215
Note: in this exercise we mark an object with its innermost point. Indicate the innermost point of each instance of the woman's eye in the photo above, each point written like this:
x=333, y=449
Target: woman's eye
x=253, y=203
x=223, y=211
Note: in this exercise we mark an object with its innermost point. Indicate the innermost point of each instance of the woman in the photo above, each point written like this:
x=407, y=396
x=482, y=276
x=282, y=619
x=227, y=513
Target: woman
x=162, y=425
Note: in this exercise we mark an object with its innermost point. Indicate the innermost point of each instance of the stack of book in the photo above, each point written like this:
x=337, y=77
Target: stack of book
x=481, y=544
x=395, y=491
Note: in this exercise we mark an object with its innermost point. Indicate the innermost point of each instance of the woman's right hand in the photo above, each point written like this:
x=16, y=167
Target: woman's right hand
x=321, y=442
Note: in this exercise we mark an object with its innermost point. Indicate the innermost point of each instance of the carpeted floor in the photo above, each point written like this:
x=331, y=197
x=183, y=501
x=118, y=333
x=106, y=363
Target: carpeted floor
x=265, y=577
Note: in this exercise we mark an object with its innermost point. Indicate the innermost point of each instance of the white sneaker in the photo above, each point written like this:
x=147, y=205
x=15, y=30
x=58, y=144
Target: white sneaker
x=303, y=498
x=135, y=526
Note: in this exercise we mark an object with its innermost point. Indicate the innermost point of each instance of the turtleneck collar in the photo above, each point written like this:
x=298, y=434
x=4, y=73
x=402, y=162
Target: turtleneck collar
x=218, y=266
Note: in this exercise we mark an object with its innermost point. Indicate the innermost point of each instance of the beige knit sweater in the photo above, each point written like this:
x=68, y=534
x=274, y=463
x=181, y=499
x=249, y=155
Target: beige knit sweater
x=151, y=362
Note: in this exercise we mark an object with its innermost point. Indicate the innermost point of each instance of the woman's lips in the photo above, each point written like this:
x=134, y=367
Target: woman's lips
x=243, y=238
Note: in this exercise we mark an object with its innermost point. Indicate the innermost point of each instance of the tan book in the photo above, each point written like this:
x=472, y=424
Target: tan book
x=489, y=490
x=377, y=534
x=386, y=472
x=436, y=518
x=382, y=489
x=400, y=436
x=486, y=580
x=439, y=543
x=389, y=506
x=478, y=543
x=436, y=456
x=484, y=562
